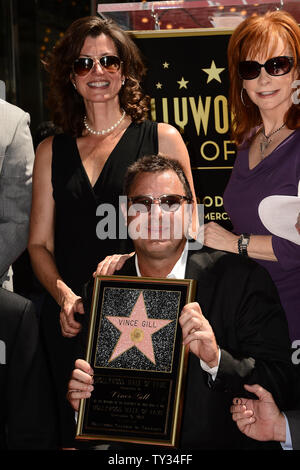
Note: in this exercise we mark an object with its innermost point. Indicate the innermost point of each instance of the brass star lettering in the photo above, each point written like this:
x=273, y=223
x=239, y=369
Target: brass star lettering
x=213, y=72
x=182, y=83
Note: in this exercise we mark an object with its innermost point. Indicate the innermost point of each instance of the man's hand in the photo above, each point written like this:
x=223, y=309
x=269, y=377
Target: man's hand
x=259, y=419
x=112, y=263
x=198, y=334
x=81, y=383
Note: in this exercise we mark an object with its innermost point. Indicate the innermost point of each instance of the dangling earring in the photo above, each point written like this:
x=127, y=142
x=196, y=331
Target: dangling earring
x=123, y=82
x=74, y=85
x=242, y=100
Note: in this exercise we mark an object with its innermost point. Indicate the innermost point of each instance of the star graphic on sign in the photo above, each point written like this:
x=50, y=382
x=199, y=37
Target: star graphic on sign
x=166, y=65
x=136, y=330
x=213, y=73
x=183, y=83
x=159, y=86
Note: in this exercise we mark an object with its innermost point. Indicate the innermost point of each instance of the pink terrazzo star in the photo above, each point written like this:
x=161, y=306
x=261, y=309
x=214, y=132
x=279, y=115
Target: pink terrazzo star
x=136, y=330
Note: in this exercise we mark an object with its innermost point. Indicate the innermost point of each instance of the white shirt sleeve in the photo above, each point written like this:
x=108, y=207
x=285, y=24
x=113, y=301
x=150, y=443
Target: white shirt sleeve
x=211, y=370
x=287, y=445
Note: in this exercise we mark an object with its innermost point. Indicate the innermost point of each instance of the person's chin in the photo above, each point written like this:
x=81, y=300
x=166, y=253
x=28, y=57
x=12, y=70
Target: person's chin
x=160, y=244
x=153, y=245
x=158, y=241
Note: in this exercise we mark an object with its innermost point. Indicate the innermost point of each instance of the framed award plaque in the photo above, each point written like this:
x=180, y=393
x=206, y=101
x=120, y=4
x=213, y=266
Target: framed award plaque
x=135, y=349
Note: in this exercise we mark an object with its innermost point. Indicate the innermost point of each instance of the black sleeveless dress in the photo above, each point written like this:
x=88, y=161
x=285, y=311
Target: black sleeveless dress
x=77, y=246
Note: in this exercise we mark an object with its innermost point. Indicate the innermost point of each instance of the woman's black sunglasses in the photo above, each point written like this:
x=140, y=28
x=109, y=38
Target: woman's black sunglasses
x=250, y=69
x=83, y=65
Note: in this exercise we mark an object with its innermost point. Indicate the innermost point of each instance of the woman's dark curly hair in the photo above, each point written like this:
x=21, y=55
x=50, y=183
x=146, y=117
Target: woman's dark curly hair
x=66, y=105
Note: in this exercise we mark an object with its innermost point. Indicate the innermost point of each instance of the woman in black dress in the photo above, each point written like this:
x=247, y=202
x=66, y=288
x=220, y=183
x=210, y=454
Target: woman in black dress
x=96, y=99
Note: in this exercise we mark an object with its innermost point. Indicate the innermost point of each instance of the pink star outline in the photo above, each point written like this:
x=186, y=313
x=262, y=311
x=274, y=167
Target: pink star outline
x=138, y=322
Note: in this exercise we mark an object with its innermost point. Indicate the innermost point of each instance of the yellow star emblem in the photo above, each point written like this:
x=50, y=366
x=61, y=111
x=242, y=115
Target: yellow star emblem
x=159, y=86
x=213, y=73
x=166, y=65
x=182, y=83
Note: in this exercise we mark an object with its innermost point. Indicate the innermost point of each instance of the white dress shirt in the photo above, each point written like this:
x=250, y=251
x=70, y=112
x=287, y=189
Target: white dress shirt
x=287, y=445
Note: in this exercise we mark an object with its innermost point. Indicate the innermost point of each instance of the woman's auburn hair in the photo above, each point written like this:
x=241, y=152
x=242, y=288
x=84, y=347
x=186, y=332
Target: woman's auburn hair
x=249, y=39
x=65, y=104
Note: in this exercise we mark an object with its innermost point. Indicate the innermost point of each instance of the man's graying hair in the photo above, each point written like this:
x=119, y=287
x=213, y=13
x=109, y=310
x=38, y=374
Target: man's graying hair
x=156, y=164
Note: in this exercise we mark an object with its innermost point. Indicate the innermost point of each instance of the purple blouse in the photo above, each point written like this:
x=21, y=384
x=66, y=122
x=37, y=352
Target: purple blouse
x=277, y=174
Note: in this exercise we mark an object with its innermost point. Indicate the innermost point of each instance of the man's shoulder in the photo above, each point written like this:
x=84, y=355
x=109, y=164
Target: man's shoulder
x=207, y=260
x=228, y=272
x=128, y=268
x=11, y=117
x=221, y=261
x=9, y=110
x=14, y=303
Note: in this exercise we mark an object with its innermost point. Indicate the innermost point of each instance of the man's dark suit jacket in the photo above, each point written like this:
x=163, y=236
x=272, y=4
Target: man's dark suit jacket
x=26, y=411
x=240, y=301
x=294, y=424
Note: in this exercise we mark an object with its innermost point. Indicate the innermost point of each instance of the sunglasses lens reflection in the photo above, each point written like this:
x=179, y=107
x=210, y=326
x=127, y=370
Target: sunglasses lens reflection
x=83, y=65
x=278, y=66
x=250, y=69
x=110, y=62
x=168, y=203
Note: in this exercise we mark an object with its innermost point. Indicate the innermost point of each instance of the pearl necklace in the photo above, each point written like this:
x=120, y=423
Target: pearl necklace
x=265, y=142
x=103, y=131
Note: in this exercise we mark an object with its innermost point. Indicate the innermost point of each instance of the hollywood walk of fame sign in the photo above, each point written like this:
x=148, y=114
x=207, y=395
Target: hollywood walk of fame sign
x=139, y=362
x=187, y=80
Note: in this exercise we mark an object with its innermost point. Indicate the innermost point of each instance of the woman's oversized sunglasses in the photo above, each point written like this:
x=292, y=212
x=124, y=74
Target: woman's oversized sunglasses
x=250, y=69
x=83, y=65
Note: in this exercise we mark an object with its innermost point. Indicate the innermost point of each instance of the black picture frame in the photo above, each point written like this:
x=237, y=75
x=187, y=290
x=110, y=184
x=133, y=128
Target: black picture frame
x=135, y=349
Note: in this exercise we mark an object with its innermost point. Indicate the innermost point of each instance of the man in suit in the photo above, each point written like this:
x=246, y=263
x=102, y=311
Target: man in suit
x=16, y=163
x=26, y=413
x=262, y=420
x=236, y=330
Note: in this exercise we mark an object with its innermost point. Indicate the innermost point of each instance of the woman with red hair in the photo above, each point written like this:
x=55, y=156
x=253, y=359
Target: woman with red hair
x=263, y=60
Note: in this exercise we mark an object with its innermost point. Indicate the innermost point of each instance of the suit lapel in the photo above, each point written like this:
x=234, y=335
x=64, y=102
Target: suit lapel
x=128, y=269
x=198, y=268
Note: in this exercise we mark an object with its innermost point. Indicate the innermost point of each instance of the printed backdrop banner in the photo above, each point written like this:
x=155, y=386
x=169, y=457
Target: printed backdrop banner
x=187, y=80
